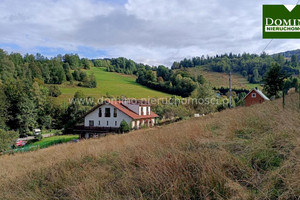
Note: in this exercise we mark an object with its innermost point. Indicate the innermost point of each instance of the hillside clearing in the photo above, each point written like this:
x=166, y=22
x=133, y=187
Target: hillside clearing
x=218, y=80
x=243, y=153
x=109, y=83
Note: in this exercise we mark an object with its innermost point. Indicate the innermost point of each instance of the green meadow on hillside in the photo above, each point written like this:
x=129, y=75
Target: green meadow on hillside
x=112, y=84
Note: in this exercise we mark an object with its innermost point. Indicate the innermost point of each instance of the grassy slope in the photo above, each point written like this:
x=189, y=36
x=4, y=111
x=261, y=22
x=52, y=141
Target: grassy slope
x=46, y=142
x=54, y=139
x=244, y=153
x=114, y=84
x=221, y=79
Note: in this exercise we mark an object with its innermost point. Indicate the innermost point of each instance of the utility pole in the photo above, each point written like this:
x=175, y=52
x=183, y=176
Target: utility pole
x=299, y=93
x=283, y=97
x=230, y=98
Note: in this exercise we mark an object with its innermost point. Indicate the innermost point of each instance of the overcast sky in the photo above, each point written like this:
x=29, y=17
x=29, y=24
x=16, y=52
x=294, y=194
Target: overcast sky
x=149, y=31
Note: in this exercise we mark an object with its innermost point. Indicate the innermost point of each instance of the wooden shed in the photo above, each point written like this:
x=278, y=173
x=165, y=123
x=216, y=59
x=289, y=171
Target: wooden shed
x=255, y=96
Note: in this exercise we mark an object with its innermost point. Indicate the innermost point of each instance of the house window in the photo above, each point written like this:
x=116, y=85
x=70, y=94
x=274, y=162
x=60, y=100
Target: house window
x=253, y=95
x=107, y=123
x=142, y=110
x=91, y=123
x=107, y=112
x=116, y=123
x=99, y=123
x=115, y=112
x=100, y=112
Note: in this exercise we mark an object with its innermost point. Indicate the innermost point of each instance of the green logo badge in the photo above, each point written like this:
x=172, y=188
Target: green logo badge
x=281, y=21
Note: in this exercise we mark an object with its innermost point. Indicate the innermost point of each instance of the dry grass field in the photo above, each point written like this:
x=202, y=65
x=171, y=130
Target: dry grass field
x=244, y=153
x=218, y=80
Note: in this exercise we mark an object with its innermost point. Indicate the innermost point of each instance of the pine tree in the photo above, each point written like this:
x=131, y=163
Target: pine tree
x=274, y=80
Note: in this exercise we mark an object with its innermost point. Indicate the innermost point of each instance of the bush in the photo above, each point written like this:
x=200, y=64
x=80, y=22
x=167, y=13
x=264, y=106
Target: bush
x=124, y=127
x=54, y=91
x=89, y=82
x=7, y=139
x=39, y=137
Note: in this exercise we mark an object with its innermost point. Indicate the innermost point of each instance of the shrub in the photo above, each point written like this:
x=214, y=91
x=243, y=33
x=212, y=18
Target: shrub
x=89, y=82
x=39, y=137
x=7, y=139
x=124, y=127
x=54, y=91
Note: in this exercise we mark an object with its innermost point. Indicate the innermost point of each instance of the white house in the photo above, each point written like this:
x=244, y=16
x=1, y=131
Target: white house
x=109, y=115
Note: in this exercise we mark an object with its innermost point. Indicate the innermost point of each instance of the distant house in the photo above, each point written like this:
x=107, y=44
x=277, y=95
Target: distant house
x=255, y=96
x=108, y=116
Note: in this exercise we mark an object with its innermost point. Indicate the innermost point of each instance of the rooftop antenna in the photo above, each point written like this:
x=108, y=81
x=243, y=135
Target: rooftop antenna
x=230, y=95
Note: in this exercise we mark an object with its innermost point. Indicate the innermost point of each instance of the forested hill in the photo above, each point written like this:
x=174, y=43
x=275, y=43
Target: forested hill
x=251, y=66
x=27, y=85
x=179, y=81
x=290, y=54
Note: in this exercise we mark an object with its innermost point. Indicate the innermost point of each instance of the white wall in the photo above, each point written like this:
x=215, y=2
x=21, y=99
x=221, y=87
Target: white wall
x=153, y=121
x=103, y=120
x=145, y=110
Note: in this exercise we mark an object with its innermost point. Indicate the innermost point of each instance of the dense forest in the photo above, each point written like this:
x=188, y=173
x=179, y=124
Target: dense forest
x=28, y=84
x=251, y=66
x=290, y=54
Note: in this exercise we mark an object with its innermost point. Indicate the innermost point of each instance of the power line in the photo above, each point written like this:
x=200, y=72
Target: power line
x=268, y=44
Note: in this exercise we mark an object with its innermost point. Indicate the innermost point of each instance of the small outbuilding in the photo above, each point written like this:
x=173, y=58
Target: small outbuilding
x=255, y=96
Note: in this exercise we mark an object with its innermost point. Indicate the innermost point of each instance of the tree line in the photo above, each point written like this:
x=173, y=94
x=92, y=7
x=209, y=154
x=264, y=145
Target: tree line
x=251, y=66
x=56, y=70
x=178, y=82
x=120, y=65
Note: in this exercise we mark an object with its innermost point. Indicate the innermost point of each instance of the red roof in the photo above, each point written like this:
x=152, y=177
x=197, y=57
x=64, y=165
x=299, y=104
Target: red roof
x=119, y=105
x=259, y=93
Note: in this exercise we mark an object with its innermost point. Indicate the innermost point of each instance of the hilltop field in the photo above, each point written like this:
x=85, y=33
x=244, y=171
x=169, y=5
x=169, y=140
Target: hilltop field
x=243, y=153
x=217, y=79
x=113, y=84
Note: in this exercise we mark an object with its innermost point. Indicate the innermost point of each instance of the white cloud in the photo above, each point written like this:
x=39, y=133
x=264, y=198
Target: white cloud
x=150, y=31
x=43, y=23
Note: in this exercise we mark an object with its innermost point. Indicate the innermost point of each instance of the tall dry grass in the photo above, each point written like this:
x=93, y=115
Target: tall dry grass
x=244, y=153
